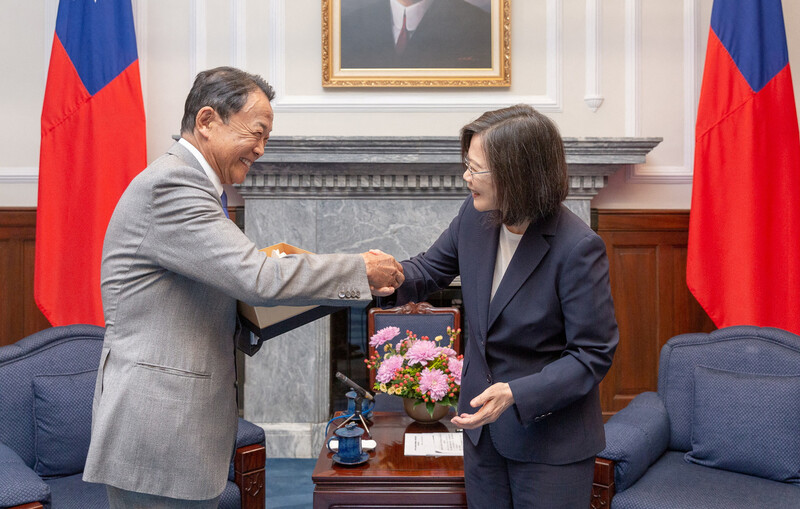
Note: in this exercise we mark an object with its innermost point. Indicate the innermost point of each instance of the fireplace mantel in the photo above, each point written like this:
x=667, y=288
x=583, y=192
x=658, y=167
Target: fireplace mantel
x=349, y=195
x=410, y=168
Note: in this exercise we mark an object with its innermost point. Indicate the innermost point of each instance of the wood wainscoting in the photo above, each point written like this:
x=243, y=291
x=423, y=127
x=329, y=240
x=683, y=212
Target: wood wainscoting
x=19, y=315
x=647, y=257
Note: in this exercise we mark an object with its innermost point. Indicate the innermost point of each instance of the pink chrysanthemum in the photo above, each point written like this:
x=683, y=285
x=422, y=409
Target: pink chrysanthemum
x=388, y=368
x=454, y=365
x=433, y=382
x=447, y=351
x=383, y=335
x=421, y=352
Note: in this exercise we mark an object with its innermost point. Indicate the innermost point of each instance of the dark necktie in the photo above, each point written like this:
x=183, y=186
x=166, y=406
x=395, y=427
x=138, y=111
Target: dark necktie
x=224, y=198
x=402, y=39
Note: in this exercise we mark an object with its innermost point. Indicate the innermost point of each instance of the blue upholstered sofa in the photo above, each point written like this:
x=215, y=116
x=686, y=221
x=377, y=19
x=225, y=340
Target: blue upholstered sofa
x=722, y=432
x=46, y=388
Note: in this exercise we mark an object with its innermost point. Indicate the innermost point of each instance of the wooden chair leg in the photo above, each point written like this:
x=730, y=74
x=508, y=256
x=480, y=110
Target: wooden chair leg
x=248, y=468
x=603, y=486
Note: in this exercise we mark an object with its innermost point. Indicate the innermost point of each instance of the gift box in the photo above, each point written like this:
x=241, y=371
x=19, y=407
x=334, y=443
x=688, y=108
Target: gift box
x=269, y=321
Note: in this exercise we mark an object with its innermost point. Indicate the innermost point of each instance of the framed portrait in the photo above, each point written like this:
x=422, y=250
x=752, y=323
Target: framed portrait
x=416, y=43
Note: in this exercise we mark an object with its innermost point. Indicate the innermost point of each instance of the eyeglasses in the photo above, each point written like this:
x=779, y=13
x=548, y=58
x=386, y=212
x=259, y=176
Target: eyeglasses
x=472, y=172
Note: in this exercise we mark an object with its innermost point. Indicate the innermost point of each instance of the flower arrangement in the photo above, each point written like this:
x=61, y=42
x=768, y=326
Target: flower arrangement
x=417, y=368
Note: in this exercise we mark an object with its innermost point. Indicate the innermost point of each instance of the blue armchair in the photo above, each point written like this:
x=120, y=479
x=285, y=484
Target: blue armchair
x=722, y=432
x=46, y=389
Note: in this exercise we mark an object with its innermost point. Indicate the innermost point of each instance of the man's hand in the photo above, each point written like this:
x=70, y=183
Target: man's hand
x=383, y=272
x=495, y=400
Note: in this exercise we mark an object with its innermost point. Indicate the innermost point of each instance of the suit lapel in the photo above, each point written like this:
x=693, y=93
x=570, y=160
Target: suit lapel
x=532, y=248
x=483, y=264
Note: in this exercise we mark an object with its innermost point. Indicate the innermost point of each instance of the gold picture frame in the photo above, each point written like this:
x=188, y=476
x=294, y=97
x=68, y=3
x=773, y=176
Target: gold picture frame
x=463, y=57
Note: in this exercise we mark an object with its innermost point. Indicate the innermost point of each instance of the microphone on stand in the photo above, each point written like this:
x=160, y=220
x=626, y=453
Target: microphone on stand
x=359, y=390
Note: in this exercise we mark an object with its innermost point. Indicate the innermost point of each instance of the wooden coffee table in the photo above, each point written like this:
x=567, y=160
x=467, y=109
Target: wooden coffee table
x=389, y=479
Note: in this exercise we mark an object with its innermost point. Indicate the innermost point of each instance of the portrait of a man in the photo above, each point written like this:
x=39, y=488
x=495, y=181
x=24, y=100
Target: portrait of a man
x=415, y=34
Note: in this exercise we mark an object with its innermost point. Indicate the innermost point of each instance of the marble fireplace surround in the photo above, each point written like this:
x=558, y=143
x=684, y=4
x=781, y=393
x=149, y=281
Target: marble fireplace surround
x=351, y=194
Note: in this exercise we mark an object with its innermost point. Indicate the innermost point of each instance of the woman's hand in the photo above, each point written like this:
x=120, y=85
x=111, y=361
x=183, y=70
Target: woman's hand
x=493, y=402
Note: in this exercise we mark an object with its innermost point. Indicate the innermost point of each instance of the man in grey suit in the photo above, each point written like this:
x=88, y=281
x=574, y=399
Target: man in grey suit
x=164, y=416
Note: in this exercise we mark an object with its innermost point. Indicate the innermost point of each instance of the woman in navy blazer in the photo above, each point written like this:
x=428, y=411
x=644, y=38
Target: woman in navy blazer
x=541, y=325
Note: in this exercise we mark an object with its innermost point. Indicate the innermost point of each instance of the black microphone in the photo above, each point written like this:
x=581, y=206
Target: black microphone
x=360, y=390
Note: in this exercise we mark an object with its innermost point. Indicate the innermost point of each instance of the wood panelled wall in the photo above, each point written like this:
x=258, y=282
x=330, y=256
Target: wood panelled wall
x=646, y=252
x=647, y=257
x=19, y=315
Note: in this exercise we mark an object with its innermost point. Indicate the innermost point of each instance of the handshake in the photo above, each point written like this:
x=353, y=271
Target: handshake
x=383, y=272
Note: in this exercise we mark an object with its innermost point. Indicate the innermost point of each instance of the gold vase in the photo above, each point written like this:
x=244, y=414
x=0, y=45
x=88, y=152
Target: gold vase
x=420, y=412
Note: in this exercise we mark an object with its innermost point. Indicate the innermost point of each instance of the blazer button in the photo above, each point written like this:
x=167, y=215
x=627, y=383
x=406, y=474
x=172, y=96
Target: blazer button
x=489, y=379
x=358, y=294
x=341, y=294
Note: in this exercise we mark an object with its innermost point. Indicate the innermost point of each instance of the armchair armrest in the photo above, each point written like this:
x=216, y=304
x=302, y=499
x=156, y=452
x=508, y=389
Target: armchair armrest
x=247, y=467
x=249, y=464
x=249, y=434
x=636, y=437
x=21, y=485
x=603, y=488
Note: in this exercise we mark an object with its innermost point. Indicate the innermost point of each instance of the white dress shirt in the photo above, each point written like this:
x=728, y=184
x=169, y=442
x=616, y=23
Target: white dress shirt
x=212, y=176
x=506, y=247
x=413, y=15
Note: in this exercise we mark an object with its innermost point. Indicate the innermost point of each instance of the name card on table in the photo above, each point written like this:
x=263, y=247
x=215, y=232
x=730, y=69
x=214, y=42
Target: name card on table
x=433, y=444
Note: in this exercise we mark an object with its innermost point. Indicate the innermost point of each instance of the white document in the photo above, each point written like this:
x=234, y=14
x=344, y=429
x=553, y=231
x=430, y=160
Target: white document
x=433, y=444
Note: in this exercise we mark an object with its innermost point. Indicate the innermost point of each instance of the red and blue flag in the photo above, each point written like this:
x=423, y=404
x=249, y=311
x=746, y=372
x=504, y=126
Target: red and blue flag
x=743, y=261
x=93, y=144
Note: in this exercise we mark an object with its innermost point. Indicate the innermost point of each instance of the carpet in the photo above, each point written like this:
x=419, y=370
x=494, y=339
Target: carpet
x=288, y=483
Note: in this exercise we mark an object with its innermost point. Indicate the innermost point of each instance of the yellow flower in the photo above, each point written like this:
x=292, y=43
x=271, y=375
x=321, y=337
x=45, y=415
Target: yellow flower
x=438, y=338
x=391, y=390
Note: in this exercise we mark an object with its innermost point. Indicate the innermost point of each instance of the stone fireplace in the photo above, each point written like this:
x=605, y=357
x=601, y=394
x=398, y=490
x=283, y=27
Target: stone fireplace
x=351, y=194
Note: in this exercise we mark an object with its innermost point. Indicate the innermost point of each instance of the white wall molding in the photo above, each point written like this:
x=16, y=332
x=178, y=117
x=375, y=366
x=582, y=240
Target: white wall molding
x=239, y=34
x=593, y=97
x=691, y=90
x=633, y=68
x=555, y=66
x=652, y=174
x=276, y=51
x=358, y=101
x=198, y=43
x=19, y=175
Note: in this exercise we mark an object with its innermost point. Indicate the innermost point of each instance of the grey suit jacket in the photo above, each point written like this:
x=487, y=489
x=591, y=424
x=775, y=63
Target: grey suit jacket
x=164, y=416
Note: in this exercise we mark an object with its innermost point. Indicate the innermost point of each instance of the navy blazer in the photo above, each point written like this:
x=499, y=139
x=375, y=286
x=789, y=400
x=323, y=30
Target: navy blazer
x=549, y=332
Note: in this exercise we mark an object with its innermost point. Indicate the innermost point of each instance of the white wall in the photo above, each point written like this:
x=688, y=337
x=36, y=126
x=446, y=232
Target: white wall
x=649, y=62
